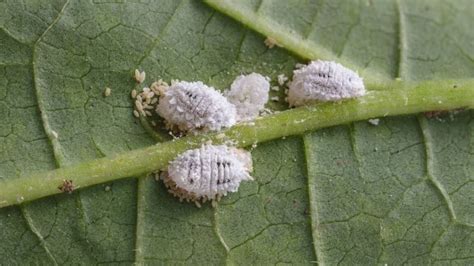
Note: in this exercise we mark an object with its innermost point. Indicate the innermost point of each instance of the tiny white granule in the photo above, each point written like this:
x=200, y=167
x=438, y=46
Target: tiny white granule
x=207, y=173
x=55, y=134
x=282, y=79
x=136, y=114
x=374, y=121
x=270, y=42
x=107, y=188
x=275, y=98
x=249, y=94
x=139, y=76
x=275, y=88
x=298, y=65
x=324, y=81
x=107, y=92
x=192, y=106
x=133, y=94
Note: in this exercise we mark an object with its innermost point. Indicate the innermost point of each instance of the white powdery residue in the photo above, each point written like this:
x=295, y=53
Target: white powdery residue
x=249, y=94
x=266, y=111
x=193, y=106
x=282, y=79
x=374, y=121
x=298, y=65
x=220, y=136
x=324, y=81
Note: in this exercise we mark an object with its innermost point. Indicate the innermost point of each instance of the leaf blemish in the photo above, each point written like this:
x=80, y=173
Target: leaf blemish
x=67, y=186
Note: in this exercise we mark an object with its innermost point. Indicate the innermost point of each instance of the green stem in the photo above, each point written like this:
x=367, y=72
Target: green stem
x=387, y=99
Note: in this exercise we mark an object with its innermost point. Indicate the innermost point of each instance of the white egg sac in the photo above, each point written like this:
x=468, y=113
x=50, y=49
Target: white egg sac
x=209, y=172
x=324, y=81
x=191, y=106
x=249, y=94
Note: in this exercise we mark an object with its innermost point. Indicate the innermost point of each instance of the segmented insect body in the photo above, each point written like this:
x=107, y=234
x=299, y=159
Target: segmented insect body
x=249, y=94
x=209, y=172
x=192, y=106
x=324, y=81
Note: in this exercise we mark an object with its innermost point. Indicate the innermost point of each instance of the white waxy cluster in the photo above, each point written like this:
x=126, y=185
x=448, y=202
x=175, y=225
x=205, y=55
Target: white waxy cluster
x=192, y=106
x=324, y=81
x=209, y=172
x=249, y=94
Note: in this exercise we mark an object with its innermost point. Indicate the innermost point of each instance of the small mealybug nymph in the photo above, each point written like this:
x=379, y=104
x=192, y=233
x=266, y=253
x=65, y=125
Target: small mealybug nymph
x=249, y=94
x=192, y=106
x=207, y=173
x=324, y=81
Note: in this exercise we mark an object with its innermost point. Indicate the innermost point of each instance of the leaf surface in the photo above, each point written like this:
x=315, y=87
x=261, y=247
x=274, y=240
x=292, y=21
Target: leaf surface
x=398, y=192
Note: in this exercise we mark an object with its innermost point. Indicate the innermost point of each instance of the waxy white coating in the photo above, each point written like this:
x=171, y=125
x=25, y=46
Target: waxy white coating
x=211, y=170
x=249, y=94
x=324, y=81
x=194, y=106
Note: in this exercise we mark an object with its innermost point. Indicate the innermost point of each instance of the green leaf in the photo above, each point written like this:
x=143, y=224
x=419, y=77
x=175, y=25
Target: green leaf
x=400, y=192
x=351, y=194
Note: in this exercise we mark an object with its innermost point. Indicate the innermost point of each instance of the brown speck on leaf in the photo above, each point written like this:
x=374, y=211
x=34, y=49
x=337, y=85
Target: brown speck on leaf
x=433, y=114
x=443, y=113
x=67, y=186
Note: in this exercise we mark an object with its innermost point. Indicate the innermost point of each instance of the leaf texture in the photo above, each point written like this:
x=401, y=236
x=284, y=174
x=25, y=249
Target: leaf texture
x=400, y=192
x=396, y=193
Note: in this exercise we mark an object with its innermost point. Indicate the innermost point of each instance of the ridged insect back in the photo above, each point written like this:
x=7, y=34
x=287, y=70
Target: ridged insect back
x=208, y=172
x=192, y=106
x=324, y=81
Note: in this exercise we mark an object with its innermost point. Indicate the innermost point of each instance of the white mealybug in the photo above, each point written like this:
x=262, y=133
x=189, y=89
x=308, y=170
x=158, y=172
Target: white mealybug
x=249, y=94
x=324, y=81
x=207, y=173
x=192, y=106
